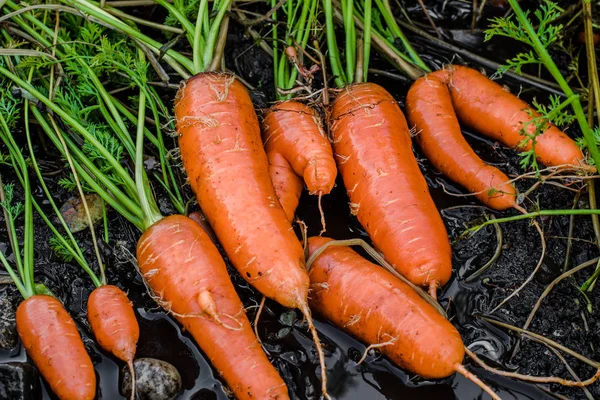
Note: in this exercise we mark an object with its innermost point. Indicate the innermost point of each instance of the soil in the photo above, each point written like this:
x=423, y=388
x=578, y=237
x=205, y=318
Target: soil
x=565, y=316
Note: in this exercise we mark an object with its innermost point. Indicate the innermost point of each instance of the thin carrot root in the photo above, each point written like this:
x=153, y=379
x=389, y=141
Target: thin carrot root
x=323, y=224
x=375, y=346
x=260, y=308
x=209, y=307
x=529, y=378
x=313, y=331
x=433, y=289
x=473, y=378
x=132, y=373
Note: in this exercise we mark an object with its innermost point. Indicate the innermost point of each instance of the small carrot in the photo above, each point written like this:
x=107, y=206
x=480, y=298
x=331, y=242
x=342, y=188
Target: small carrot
x=379, y=309
x=52, y=341
x=293, y=130
x=113, y=322
x=387, y=191
x=429, y=109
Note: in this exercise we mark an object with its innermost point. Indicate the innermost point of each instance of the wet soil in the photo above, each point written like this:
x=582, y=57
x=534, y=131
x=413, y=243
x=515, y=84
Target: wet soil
x=565, y=316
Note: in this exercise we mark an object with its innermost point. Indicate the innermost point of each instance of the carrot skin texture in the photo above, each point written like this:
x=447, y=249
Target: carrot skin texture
x=51, y=339
x=222, y=152
x=294, y=130
x=288, y=186
x=374, y=306
x=387, y=191
x=184, y=268
x=113, y=321
x=487, y=107
x=429, y=109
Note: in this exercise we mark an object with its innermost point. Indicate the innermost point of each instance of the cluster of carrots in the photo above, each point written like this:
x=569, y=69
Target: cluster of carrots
x=248, y=176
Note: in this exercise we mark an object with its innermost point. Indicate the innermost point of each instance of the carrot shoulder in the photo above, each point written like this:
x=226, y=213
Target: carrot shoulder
x=430, y=111
x=185, y=270
x=490, y=109
x=377, y=308
x=387, y=191
x=222, y=152
x=51, y=339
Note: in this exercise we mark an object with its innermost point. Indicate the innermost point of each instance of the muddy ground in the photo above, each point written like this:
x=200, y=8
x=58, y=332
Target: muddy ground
x=563, y=317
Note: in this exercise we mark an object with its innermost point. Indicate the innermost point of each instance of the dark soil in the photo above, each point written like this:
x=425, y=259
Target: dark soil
x=563, y=316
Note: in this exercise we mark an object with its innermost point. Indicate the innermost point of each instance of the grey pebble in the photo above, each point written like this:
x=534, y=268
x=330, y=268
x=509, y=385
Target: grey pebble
x=155, y=380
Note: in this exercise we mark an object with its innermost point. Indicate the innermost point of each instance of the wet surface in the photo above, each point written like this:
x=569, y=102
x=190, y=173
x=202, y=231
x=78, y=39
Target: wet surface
x=563, y=316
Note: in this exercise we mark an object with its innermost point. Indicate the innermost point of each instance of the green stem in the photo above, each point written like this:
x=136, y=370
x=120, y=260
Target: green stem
x=211, y=40
x=199, y=45
x=534, y=214
x=334, y=53
x=554, y=71
x=367, y=39
x=149, y=211
x=128, y=182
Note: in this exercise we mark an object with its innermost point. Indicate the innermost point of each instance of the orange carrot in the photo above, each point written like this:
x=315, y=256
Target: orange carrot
x=387, y=191
x=222, y=152
x=287, y=185
x=488, y=108
x=293, y=130
x=379, y=309
x=51, y=339
x=184, y=268
x=429, y=109
x=113, y=322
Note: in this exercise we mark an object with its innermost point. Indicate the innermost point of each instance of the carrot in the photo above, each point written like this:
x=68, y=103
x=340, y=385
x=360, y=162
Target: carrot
x=184, y=268
x=221, y=149
x=113, y=322
x=51, y=339
x=429, y=109
x=488, y=108
x=293, y=131
x=379, y=309
x=287, y=184
x=387, y=191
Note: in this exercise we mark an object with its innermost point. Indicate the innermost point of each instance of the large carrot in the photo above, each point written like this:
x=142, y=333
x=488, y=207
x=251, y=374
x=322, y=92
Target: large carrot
x=292, y=131
x=429, y=109
x=183, y=267
x=387, y=191
x=435, y=101
x=372, y=146
x=227, y=167
x=379, y=309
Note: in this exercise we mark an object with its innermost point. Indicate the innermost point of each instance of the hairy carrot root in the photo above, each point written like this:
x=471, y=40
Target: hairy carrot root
x=387, y=191
x=113, y=322
x=186, y=272
x=51, y=339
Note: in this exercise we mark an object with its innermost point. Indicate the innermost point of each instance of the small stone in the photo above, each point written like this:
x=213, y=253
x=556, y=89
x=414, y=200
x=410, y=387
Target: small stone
x=155, y=380
x=73, y=211
x=549, y=270
x=18, y=381
x=8, y=326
